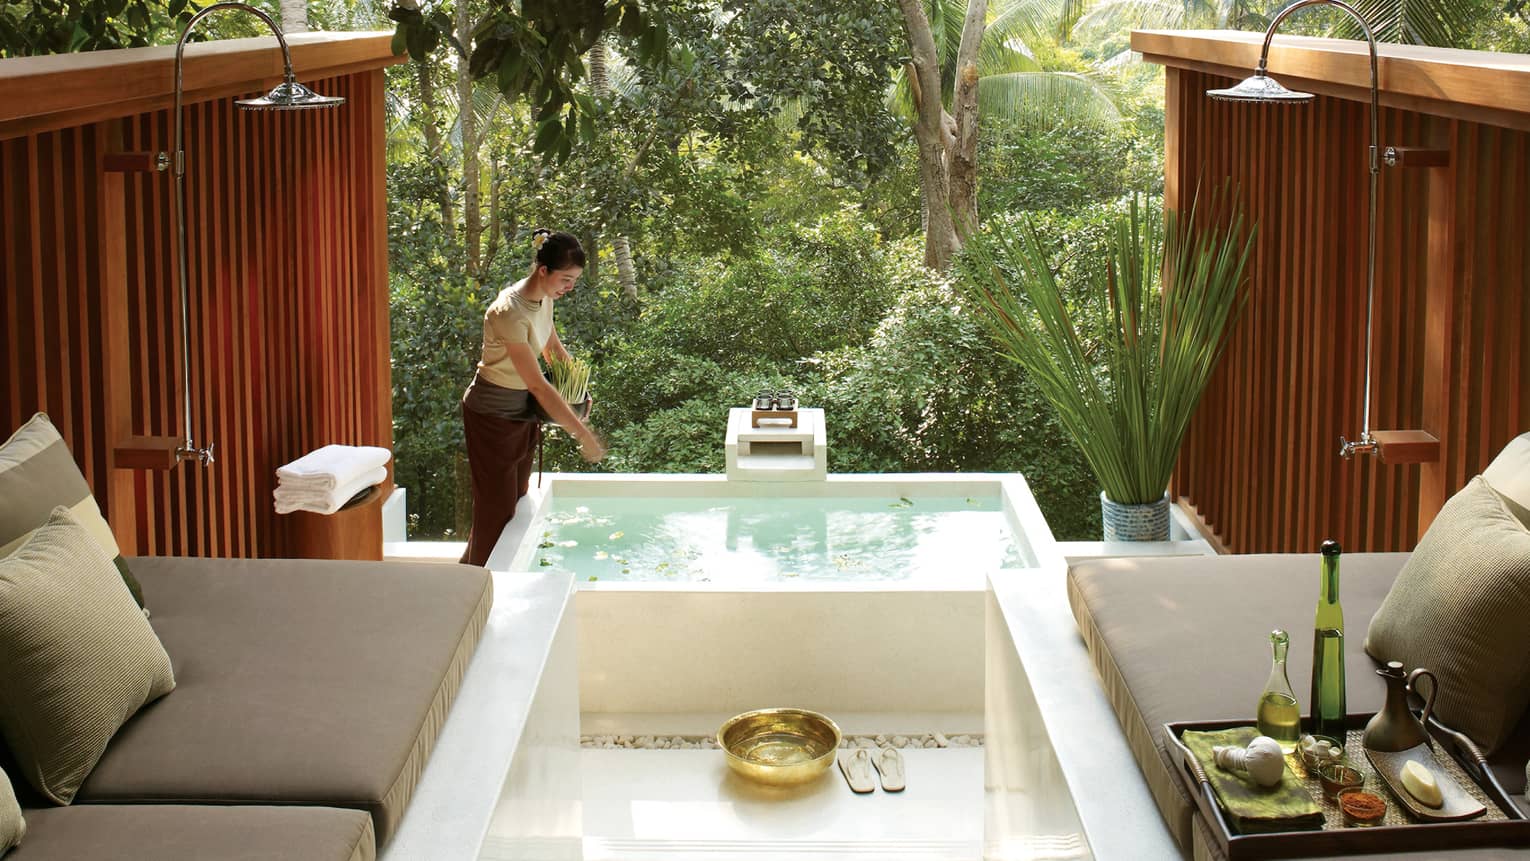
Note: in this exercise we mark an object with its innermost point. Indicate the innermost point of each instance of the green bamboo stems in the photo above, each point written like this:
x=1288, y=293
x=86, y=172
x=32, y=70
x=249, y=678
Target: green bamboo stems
x=571, y=379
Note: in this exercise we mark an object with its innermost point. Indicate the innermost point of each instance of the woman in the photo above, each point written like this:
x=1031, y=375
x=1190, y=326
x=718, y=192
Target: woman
x=500, y=409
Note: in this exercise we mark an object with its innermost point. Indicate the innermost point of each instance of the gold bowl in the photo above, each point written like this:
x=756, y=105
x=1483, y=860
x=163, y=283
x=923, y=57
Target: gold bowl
x=781, y=747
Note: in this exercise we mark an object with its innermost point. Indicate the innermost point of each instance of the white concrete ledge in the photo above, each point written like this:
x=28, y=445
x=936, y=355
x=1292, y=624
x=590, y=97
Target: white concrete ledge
x=524, y=657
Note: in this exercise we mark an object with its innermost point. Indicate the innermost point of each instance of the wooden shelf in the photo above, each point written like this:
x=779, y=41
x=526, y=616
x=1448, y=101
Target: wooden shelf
x=147, y=452
x=1409, y=446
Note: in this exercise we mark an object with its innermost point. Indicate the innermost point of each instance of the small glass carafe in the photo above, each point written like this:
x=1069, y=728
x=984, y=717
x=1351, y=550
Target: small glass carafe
x=1279, y=717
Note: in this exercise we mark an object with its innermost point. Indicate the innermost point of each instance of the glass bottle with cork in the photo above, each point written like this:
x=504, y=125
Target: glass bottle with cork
x=1279, y=717
x=1328, y=705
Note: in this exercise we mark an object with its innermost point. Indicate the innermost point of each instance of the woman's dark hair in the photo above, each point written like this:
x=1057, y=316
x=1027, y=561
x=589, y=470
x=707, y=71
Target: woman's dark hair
x=559, y=250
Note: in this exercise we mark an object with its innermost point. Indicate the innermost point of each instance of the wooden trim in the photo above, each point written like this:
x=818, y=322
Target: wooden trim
x=75, y=89
x=1477, y=86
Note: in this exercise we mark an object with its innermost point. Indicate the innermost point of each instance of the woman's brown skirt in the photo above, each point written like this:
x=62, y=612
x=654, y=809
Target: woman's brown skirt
x=500, y=455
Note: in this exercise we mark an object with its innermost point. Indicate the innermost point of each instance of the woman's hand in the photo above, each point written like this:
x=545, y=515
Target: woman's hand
x=590, y=446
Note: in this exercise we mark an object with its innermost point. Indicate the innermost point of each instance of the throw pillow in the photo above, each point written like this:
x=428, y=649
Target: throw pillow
x=37, y=472
x=1459, y=607
x=12, y=826
x=77, y=657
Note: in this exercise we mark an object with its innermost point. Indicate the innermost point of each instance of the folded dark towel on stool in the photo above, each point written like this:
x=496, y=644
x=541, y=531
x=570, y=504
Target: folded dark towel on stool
x=1251, y=808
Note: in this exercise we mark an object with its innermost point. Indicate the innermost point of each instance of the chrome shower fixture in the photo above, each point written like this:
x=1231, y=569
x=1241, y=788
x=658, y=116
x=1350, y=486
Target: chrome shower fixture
x=1263, y=89
x=289, y=95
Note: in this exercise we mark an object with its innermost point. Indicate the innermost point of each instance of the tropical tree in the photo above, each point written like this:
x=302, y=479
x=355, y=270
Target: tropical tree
x=294, y=16
x=976, y=59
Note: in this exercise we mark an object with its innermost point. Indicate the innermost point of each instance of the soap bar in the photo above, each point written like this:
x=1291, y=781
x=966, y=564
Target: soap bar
x=1420, y=783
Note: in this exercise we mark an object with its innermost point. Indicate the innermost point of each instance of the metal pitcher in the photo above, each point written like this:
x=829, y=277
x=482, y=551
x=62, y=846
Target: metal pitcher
x=1395, y=728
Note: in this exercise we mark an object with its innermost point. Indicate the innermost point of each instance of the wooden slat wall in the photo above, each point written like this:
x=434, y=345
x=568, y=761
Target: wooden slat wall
x=1261, y=461
x=289, y=305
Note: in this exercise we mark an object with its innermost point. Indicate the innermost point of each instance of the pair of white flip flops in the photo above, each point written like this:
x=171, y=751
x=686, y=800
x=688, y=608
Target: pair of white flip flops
x=858, y=765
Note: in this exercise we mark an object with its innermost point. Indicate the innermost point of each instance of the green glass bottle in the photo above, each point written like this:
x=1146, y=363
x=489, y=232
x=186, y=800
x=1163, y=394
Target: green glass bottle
x=1279, y=717
x=1328, y=652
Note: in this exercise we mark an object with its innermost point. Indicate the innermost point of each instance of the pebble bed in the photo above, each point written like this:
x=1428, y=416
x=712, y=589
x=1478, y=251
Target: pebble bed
x=697, y=742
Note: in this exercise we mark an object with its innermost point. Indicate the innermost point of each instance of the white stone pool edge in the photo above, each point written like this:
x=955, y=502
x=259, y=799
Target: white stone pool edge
x=1046, y=717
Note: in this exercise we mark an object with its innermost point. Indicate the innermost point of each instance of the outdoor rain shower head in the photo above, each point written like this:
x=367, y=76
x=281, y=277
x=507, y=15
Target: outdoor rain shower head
x=1260, y=87
x=289, y=95
x=1265, y=89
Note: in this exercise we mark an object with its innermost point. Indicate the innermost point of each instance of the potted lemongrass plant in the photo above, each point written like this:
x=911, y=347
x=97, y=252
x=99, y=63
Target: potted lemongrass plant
x=1125, y=356
x=571, y=379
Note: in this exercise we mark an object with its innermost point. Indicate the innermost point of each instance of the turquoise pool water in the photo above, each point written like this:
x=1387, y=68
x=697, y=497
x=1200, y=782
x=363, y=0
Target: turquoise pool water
x=743, y=541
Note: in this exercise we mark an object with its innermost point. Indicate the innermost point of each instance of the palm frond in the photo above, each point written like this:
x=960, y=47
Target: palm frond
x=1442, y=23
x=1041, y=99
x=1115, y=15
x=487, y=100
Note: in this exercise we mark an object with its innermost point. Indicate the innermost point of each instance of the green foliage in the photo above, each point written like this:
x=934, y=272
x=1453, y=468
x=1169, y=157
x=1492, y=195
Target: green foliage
x=1125, y=384
x=32, y=27
x=532, y=50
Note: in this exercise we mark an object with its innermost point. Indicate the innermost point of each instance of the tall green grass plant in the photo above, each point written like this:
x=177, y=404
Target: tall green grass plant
x=1124, y=357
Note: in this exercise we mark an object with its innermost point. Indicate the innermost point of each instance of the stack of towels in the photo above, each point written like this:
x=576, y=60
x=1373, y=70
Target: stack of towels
x=327, y=478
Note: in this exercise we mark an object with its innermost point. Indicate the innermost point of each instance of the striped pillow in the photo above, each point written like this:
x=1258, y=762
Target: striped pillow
x=12, y=826
x=1459, y=607
x=77, y=659
x=37, y=473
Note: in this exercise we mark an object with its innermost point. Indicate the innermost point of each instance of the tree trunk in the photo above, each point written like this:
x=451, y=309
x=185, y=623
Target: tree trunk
x=930, y=131
x=962, y=159
x=626, y=275
x=424, y=78
x=621, y=249
x=294, y=16
x=472, y=217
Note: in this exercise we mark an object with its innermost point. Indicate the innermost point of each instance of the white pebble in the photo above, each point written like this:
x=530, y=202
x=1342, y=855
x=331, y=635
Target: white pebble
x=940, y=741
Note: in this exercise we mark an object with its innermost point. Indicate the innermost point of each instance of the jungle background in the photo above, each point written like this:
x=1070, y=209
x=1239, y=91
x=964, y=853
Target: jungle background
x=768, y=199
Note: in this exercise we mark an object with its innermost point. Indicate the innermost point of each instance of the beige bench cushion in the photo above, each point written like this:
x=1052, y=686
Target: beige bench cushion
x=175, y=832
x=298, y=682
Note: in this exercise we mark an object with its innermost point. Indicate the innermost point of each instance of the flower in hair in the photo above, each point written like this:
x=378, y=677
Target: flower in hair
x=537, y=241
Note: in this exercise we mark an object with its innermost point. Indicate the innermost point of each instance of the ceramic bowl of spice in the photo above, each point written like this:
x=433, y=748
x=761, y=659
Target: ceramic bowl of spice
x=1362, y=808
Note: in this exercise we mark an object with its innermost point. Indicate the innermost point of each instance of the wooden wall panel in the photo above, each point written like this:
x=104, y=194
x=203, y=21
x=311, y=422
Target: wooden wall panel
x=1261, y=463
x=289, y=295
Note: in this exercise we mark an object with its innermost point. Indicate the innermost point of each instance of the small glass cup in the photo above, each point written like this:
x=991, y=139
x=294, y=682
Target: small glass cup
x=1338, y=777
x=1372, y=812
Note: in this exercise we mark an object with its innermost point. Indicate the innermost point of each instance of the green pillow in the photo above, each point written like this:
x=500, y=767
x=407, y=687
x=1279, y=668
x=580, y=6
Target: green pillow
x=1460, y=607
x=37, y=473
x=12, y=826
x=77, y=656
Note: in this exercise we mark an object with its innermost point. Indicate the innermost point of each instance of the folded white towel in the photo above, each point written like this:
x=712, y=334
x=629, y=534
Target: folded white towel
x=333, y=466
x=289, y=499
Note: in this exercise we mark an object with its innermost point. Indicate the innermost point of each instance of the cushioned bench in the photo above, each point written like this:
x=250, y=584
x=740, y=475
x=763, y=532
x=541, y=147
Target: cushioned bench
x=316, y=686
x=1180, y=639
x=180, y=832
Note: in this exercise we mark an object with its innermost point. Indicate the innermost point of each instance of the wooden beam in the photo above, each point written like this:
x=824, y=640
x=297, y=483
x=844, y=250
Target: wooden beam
x=116, y=350
x=1444, y=286
x=1477, y=86
x=75, y=89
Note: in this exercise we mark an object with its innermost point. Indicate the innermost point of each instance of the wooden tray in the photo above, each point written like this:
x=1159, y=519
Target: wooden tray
x=1509, y=828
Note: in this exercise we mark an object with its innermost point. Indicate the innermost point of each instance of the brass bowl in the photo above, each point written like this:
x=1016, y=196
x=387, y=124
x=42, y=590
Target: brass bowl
x=780, y=747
